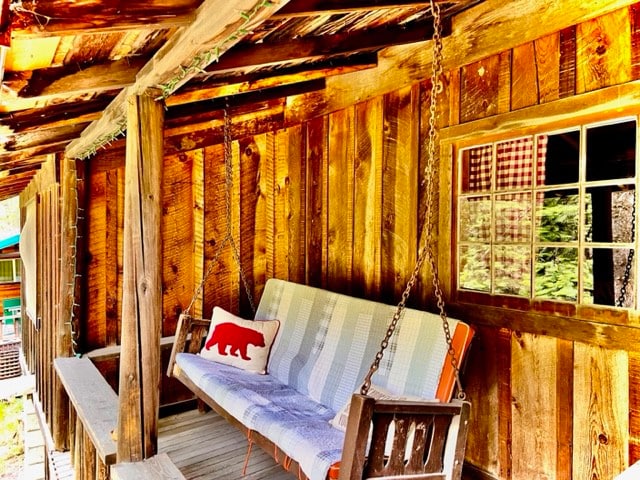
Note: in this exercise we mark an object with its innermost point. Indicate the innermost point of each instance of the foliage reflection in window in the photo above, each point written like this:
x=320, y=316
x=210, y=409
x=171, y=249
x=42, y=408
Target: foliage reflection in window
x=551, y=216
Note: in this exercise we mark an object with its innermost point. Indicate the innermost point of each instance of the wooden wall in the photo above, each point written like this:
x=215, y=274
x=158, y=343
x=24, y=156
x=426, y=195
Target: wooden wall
x=334, y=200
x=554, y=388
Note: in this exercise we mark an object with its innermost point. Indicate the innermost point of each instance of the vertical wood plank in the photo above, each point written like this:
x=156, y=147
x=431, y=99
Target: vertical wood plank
x=95, y=324
x=220, y=286
x=297, y=191
x=400, y=190
x=547, y=54
x=603, y=51
x=198, y=226
x=568, y=64
x=340, y=200
x=505, y=87
x=634, y=408
x=601, y=406
x=505, y=425
x=634, y=19
x=177, y=232
x=454, y=97
x=479, y=89
x=564, y=408
x=142, y=288
x=367, y=198
x=524, y=78
x=256, y=177
x=481, y=385
x=534, y=409
x=317, y=160
x=112, y=333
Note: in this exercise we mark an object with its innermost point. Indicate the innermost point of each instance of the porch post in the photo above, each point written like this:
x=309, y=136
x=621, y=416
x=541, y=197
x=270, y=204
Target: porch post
x=72, y=203
x=142, y=291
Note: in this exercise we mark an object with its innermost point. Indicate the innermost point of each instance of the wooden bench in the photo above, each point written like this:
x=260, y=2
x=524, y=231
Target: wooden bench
x=95, y=408
x=158, y=467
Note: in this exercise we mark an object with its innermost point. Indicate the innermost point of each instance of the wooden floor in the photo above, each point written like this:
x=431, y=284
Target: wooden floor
x=204, y=446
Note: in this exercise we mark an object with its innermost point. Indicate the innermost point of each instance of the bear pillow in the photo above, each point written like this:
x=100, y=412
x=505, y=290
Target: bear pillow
x=238, y=342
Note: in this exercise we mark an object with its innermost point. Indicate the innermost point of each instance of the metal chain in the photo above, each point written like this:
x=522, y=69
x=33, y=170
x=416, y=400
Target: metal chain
x=627, y=271
x=428, y=225
x=228, y=180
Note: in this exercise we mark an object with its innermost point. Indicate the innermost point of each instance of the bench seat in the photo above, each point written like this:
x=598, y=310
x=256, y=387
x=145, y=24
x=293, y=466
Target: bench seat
x=321, y=354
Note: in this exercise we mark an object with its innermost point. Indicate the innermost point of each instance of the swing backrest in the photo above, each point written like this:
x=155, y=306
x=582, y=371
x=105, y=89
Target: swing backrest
x=327, y=340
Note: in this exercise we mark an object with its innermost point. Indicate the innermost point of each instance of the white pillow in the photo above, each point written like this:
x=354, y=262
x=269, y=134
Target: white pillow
x=379, y=393
x=238, y=342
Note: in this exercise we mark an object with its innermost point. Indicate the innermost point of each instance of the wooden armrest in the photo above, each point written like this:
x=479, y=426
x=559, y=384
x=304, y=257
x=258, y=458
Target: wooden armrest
x=435, y=430
x=158, y=467
x=95, y=402
x=189, y=329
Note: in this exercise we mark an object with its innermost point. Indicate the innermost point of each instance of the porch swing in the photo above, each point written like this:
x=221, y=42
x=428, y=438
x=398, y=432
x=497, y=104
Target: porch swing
x=387, y=434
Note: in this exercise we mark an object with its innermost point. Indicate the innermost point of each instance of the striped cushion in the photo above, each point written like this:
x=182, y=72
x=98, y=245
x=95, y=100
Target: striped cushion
x=327, y=341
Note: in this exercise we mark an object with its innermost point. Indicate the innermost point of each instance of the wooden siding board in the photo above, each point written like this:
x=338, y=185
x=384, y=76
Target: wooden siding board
x=634, y=18
x=634, y=408
x=340, y=200
x=198, y=204
x=480, y=87
x=367, y=198
x=400, y=190
x=564, y=408
x=177, y=232
x=547, y=55
x=534, y=409
x=601, y=406
x=481, y=384
x=524, y=77
x=603, y=48
x=316, y=153
x=568, y=65
x=111, y=261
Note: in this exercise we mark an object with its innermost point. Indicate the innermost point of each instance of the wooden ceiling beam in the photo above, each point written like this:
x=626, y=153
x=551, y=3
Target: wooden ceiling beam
x=308, y=8
x=218, y=26
x=319, y=47
x=70, y=81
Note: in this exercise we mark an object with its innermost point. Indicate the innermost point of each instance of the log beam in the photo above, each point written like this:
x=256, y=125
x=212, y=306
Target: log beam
x=218, y=26
x=142, y=284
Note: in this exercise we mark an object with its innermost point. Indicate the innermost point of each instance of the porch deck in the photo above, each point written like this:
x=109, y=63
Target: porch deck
x=205, y=446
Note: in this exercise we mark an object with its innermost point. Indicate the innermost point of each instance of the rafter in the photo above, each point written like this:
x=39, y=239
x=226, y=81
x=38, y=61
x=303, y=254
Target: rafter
x=307, y=8
x=218, y=25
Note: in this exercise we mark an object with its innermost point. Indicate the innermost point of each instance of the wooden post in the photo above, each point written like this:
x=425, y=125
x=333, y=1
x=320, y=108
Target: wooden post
x=69, y=292
x=142, y=292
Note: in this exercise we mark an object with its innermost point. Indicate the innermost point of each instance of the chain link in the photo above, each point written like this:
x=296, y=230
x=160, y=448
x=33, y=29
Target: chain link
x=426, y=249
x=627, y=271
x=228, y=181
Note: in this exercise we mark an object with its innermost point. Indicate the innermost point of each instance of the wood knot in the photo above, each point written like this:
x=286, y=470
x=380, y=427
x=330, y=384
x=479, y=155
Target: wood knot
x=601, y=50
x=603, y=439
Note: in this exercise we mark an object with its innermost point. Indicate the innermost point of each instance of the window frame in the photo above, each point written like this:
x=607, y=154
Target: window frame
x=493, y=298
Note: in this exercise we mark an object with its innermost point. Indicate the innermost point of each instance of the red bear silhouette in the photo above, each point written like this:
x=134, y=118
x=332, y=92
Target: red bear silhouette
x=236, y=337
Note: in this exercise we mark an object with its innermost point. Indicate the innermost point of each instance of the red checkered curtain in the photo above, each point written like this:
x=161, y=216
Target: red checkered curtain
x=480, y=160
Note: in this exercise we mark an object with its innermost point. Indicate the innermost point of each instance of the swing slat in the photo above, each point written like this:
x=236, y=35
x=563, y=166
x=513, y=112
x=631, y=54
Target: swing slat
x=428, y=440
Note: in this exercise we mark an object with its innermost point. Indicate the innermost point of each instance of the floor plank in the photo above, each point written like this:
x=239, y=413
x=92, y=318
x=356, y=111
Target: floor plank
x=205, y=447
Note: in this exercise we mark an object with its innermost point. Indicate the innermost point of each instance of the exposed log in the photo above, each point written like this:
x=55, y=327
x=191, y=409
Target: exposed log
x=142, y=288
x=47, y=18
x=318, y=47
x=308, y=8
x=218, y=26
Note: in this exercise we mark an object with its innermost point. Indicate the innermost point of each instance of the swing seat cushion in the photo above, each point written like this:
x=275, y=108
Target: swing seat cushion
x=241, y=343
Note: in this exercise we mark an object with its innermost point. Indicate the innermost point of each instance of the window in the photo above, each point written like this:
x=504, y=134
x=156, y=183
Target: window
x=9, y=270
x=551, y=216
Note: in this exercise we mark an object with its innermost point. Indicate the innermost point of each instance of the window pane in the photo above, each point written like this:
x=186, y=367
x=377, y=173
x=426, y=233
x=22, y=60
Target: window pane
x=556, y=273
x=558, y=158
x=475, y=219
x=609, y=215
x=514, y=164
x=513, y=217
x=608, y=277
x=6, y=270
x=475, y=269
x=476, y=169
x=513, y=270
x=557, y=215
x=17, y=270
x=611, y=151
